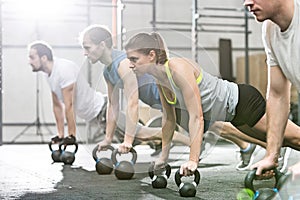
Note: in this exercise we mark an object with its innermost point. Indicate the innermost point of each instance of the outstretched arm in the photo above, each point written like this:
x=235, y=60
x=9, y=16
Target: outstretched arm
x=58, y=114
x=131, y=94
x=69, y=109
x=278, y=101
x=186, y=81
x=168, y=128
x=111, y=115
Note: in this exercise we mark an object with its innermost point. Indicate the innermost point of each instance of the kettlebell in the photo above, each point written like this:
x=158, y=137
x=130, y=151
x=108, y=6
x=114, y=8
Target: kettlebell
x=124, y=170
x=68, y=157
x=262, y=193
x=159, y=181
x=187, y=189
x=55, y=155
x=103, y=165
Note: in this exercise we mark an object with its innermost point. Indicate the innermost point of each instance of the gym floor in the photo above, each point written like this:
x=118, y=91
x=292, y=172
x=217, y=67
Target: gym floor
x=27, y=172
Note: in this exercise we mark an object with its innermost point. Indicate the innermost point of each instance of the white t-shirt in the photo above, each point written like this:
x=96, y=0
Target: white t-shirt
x=64, y=73
x=87, y=102
x=283, y=48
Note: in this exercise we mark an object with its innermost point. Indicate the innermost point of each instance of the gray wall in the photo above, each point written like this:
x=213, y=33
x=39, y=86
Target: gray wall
x=19, y=83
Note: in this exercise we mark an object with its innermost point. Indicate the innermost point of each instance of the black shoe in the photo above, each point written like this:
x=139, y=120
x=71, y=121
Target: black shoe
x=69, y=140
x=56, y=139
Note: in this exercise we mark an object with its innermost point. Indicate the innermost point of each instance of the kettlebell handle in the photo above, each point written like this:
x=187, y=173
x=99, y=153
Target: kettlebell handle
x=178, y=177
x=114, y=156
x=252, y=175
x=76, y=147
x=50, y=146
x=151, y=170
x=95, y=150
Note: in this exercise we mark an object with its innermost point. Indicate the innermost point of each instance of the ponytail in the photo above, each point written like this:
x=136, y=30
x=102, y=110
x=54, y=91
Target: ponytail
x=161, y=52
x=145, y=42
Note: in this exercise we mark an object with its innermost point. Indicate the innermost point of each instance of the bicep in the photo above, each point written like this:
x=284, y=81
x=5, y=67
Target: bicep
x=278, y=84
x=129, y=80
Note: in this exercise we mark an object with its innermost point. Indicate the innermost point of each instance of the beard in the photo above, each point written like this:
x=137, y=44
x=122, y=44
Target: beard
x=36, y=69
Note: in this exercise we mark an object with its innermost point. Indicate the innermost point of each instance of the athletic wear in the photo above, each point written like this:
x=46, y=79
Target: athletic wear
x=219, y=97
x=148, y=91
x=64, y=73
x=283, y=48
x=251, y=106
x=111, y=71
x=221, y=101
x=87, y=102
x=247, y=158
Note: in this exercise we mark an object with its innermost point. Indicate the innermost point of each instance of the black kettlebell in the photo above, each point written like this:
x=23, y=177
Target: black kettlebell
x=124, y=170
x=159, y=181
x=262, y=193
x=187, y=189
x=55, y=155
x=103, y=165
x=68, y=157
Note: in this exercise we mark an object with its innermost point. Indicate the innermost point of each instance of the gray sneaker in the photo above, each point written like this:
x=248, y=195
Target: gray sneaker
x=283, y=159
x=246, y=158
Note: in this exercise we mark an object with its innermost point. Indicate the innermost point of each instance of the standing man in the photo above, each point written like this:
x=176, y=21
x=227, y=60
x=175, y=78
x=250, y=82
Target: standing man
x=281, y=39
x=61, y=76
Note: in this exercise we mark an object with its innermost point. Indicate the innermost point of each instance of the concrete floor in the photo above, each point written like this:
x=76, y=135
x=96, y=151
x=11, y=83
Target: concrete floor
x=27, y=172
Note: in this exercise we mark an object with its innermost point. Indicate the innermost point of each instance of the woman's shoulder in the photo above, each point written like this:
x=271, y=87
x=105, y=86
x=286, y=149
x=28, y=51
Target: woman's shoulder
x=179, y=60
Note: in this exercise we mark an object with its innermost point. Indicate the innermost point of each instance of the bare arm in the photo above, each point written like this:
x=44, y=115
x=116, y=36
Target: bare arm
x=168, y=127
x=278, y=107
x=131, y=95
x=111, y=114
x=278, y=101
x=67, y=93
x=58, y=114
x=186, y=81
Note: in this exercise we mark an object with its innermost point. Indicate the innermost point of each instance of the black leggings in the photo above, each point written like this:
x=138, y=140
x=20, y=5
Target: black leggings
x=250, y=108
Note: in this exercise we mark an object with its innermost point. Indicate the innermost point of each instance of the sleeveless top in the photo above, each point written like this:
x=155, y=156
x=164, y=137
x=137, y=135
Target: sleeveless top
x=148, y=91
x=219, y=97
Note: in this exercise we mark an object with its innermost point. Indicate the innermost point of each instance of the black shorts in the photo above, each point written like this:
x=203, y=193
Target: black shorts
x=251, y=106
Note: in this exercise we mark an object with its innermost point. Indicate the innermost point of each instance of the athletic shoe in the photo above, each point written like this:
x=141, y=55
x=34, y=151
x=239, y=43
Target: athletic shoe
x=246, y=158
x=208, y=143
x=56, y=139
x=69, y=140
x=283, y=159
